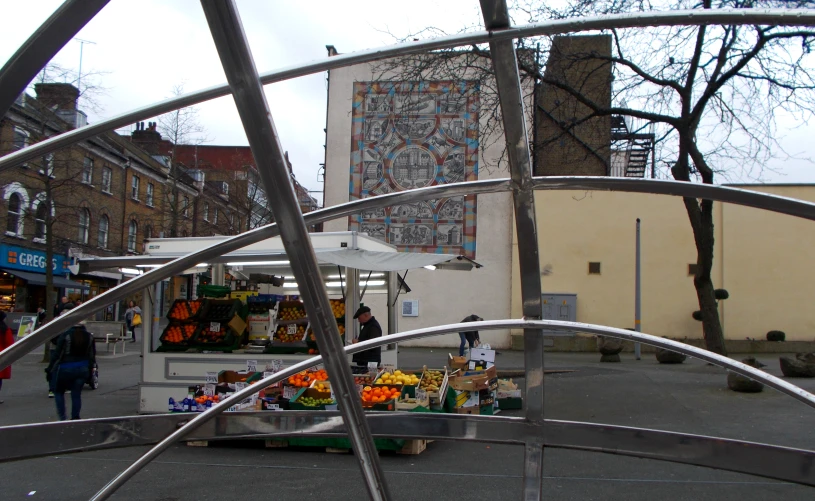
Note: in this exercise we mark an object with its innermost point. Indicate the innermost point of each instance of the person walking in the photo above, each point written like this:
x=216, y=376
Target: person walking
x=370, y=330
x=6, y=340
x=469, y=337
x=70, y=368
x=40, y=316
x=130, y=315
x=58, y=308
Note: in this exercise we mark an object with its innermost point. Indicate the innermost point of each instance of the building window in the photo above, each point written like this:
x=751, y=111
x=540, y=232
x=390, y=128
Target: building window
x=148, y=232
x=225, y=188
x=150, y=194
x=84, y=225
x=131, y=236
x=186, y=206
x=215, y=216
x=21, y=138
x=231, y=220
x=87, y=171
x=206, y=211
x=15, y=215
x=106, y=176
x=39, y=220
x=692, y=269
x=104, y=227
x=594, y=268
x=134, y=188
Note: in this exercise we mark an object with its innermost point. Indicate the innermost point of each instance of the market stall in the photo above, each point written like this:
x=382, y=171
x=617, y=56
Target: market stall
x=250, y=317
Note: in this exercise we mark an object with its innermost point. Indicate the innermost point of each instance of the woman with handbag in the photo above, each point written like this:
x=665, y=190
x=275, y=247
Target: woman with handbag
x=133, y=319
x=70, y=368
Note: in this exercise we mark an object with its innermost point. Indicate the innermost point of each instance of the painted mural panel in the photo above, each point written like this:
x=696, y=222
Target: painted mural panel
x=409, y=135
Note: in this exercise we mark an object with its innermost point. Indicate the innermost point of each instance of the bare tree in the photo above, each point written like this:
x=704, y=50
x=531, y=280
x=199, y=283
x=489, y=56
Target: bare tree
x=712, y=93
x=179, y=127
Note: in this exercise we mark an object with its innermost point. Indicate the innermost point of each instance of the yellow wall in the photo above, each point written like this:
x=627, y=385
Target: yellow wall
x=768, y=268
x=763, y=259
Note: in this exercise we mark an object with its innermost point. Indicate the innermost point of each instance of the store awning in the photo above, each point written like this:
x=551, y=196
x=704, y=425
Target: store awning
x=39, y=279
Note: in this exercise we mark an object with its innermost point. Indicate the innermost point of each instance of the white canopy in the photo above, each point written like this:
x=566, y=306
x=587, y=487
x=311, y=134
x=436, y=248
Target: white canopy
x=381, y=261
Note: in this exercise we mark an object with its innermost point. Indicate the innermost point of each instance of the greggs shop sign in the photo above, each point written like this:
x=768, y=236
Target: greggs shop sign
x=20, y=258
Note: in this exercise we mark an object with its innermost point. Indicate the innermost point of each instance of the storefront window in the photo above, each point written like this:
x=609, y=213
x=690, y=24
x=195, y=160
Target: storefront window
x=131, y=236
x=104, y=226
x=84, y=225
x=39, y=221
x=14, y=213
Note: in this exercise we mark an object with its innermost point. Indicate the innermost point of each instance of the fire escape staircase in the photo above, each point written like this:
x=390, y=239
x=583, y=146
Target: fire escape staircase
x=638, y=148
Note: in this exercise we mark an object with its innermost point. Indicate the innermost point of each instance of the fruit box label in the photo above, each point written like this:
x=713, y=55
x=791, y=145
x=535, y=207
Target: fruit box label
x=215, y=326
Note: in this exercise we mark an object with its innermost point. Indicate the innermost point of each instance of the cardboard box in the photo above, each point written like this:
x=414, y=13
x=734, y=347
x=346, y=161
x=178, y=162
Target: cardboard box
x=490, y=370
x=406, y=403
x=482, y=355
x=237, y=324
x=456, y=362
x=467, y=410
x=474, y=382
x=232, y=377
x=501, y=394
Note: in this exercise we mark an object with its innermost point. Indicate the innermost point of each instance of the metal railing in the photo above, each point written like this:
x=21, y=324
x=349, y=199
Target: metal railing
x=531, y=431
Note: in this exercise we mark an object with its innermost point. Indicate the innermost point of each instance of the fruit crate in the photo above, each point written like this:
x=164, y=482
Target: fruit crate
x=290, y=334
x=185, y=311
x=207, y=336
x=178, y=334
x=338, y=308
x=291, y=312
x=220, y=310
x=434, y=395
x=295, y=403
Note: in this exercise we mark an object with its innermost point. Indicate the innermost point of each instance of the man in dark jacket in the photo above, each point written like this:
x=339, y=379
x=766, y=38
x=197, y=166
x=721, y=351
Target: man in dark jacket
x=370, y=329
x=469, y=337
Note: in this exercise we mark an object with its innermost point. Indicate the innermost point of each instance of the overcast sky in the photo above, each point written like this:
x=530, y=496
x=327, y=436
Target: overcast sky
x=147, y=47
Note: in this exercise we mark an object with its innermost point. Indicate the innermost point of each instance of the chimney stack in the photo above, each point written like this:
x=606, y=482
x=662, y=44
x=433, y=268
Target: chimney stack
x=57, y=96
x=147, y=139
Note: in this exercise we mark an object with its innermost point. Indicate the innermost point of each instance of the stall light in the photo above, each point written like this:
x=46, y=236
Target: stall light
x=149, y=265
x=430, y=267
x=335, y=277
x=259, y=263
x=130, y=271
x=290, y=285
x=371, y=283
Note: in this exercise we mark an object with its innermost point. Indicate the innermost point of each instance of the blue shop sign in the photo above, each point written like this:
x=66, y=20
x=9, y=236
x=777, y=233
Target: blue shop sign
x=20, y=258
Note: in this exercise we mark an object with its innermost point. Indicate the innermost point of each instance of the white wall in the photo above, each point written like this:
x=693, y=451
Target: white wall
x=444, y=296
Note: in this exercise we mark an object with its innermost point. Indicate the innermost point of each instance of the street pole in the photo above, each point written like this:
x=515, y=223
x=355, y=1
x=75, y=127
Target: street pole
x=637, y=295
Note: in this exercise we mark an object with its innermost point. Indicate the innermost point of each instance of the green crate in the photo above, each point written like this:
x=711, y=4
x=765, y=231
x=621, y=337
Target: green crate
x=510, y=403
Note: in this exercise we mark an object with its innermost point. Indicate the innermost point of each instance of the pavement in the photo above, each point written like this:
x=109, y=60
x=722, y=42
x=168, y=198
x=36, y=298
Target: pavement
x=691, y=397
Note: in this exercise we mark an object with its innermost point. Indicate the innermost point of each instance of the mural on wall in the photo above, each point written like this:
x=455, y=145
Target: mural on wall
x=409, y=135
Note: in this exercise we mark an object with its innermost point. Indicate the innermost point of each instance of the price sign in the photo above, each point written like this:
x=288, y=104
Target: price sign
x=472, y=365
x=373, y=365
x=240, y=385
x=209, y=390
x=212, y=377
x=272, y=407
x=251, y=366
x=277, y=365
x=267, y=374
x=289, y=391
x=215, y=326
x=421, y=394
x=388, y=368
x=359, y=388
x=291, y=329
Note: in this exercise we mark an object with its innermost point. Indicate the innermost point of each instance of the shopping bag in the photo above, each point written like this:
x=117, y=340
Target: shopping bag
x=136, y=319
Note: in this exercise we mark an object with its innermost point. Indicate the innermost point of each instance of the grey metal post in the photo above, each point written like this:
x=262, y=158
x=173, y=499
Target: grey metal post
x=393, y=310
x=239, y=66
x=510, y=95
x=218, y=271
x=351, y=302
x=147, y=316
x=637, y=295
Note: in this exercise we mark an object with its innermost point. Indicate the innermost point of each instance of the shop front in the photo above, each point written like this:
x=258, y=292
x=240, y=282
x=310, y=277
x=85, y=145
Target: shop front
x=22, y=278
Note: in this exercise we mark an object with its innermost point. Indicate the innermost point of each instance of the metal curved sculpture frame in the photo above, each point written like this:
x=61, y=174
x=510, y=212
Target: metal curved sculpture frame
x=533, y=431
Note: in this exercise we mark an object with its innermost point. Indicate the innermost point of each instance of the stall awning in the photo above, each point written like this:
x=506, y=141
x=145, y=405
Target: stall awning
x=38, y=279
x=381, y=261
